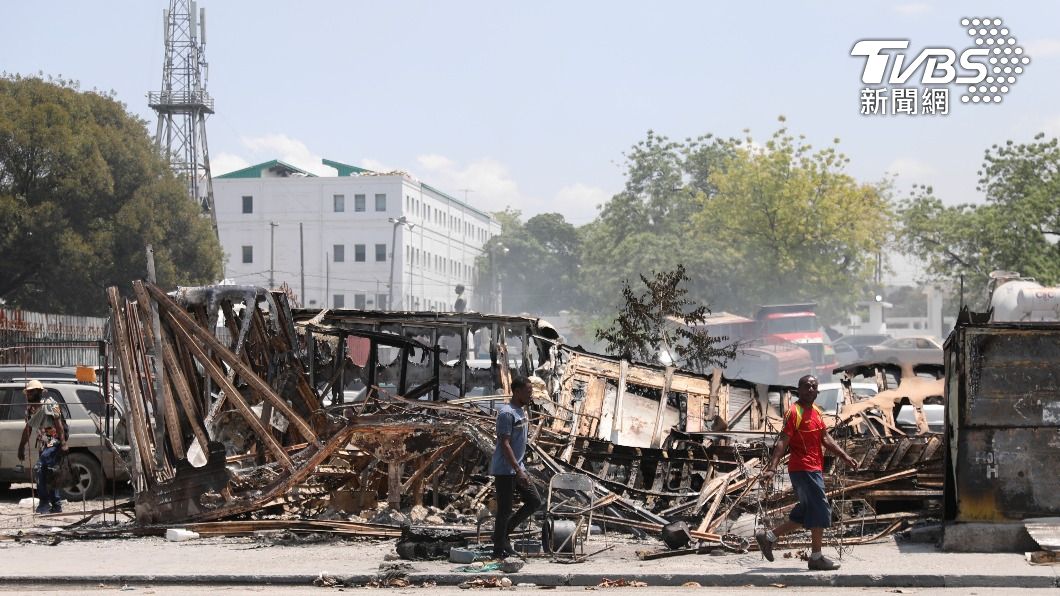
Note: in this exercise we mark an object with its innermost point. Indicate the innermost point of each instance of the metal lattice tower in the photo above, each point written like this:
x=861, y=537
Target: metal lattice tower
x=183, y=103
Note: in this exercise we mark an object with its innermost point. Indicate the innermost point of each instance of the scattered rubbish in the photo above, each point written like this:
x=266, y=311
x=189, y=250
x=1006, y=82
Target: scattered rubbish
x=180, y=535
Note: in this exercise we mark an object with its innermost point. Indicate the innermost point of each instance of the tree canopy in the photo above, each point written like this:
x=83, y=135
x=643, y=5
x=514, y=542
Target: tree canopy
x=1016, y=229
x=754, y=223
x=787, y=224
x=82, y=191
x=536, y=263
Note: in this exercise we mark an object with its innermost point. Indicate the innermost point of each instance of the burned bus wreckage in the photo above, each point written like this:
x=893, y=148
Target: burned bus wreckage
x=243, y=414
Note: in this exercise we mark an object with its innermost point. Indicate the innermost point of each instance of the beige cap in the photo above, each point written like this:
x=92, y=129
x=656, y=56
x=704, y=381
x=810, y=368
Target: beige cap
x=33, y=384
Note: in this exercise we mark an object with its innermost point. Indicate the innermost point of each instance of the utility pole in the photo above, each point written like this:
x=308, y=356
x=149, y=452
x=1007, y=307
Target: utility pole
x=272, y=253
x=183, y=103
x=301, y=258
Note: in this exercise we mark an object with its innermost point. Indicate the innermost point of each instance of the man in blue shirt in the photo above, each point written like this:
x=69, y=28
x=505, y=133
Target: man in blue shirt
x=508, y=470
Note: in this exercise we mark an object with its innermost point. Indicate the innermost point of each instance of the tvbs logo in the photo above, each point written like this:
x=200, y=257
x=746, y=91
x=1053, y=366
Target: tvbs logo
x=939, y=64
x=989, y=68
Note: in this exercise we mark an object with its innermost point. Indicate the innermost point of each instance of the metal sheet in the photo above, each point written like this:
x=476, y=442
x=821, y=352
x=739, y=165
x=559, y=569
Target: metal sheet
x=1013, y=377
x=1007, y=473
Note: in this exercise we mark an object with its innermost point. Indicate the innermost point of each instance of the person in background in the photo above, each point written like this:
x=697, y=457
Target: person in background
x=508, y=470
x=44, y=415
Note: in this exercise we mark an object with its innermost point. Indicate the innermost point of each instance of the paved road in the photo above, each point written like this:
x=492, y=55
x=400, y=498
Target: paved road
x=451, y=591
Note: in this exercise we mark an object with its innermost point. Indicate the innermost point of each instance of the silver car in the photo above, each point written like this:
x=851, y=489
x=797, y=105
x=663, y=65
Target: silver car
x=93, y=462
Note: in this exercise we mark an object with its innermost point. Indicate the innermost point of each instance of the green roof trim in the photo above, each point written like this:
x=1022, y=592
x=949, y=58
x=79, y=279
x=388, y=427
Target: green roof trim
x=345, y=169
x=256, y=171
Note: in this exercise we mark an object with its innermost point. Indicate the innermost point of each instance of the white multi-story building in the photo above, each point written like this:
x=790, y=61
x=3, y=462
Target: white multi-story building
x=332, y=239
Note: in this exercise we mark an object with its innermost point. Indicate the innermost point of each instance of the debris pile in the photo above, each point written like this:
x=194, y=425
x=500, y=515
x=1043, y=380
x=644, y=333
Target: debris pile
x=245, y=415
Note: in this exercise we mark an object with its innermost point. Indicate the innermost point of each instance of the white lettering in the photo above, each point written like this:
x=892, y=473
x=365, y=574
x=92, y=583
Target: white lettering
x=968, y=64
x=875, y=62
x=933, y=65
x=900, y=76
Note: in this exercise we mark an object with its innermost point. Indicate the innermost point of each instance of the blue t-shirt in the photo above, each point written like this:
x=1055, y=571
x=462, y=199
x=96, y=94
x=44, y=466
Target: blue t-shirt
x=511, y=422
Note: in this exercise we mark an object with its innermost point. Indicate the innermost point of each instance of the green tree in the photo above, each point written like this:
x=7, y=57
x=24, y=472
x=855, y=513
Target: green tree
x=1016, y=229
x=82, y=191
x=662, y=319
x=536, y=263
x=787, y=224
x=648, y=226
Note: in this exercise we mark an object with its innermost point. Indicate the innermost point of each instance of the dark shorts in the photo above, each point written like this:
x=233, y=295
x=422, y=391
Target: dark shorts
x=813, y=510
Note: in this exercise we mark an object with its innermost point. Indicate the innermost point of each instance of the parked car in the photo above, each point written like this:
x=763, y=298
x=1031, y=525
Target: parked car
x=830, y=395
x=860, y=343
x=93, y=462
x=934, y=413
x=917, y=348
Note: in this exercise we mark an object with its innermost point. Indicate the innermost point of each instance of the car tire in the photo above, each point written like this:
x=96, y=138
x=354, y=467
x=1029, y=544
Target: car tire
x=4, y=487
x=88, y=474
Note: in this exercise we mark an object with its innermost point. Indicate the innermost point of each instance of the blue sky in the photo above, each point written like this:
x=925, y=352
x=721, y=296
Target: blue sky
x=532, y=104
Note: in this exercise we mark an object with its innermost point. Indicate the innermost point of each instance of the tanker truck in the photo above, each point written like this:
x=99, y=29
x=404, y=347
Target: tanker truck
x=1021, y=299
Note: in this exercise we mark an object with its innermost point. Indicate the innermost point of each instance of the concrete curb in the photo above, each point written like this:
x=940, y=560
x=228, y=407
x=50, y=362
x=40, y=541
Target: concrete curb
x=801, y=579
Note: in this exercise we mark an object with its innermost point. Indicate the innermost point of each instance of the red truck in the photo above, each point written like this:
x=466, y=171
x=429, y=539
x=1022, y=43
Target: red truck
x=797, y=324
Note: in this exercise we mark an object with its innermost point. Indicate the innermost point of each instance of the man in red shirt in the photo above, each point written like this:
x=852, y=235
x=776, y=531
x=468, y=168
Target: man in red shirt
x=805, y=434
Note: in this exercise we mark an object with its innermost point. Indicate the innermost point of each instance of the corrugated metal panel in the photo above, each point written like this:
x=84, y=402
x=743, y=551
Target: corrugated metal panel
x=28, y=337
x=738, y=398
x=23, y=325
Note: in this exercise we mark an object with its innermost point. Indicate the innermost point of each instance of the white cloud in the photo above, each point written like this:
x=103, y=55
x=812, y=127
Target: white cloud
x=1039, y=48
x=578, y=202
x=912, y=8
x=911, y=170
x=223, y=163
x=489, y=182
x=492, y=188
x=284, y=148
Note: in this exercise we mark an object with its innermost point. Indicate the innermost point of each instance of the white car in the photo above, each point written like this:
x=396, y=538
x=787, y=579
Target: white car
x=934, y=413
x=830, y=395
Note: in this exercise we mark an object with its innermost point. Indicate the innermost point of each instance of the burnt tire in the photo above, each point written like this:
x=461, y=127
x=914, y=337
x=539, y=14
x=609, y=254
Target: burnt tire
x=88, y=478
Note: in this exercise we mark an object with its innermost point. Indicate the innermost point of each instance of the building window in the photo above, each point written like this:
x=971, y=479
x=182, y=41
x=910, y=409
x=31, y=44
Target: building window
x=248, y=254
x=248, y=204
x=338, y=301
x=358, y=203
x=358, y=301
x=358, y=253
x=339, y=203
x=380, y=202
x=339, y=252
x=381, y=302
x=380, y=252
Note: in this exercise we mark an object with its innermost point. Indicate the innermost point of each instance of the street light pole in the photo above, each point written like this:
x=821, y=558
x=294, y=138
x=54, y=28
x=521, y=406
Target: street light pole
x=398, y=222
x=272, y=253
